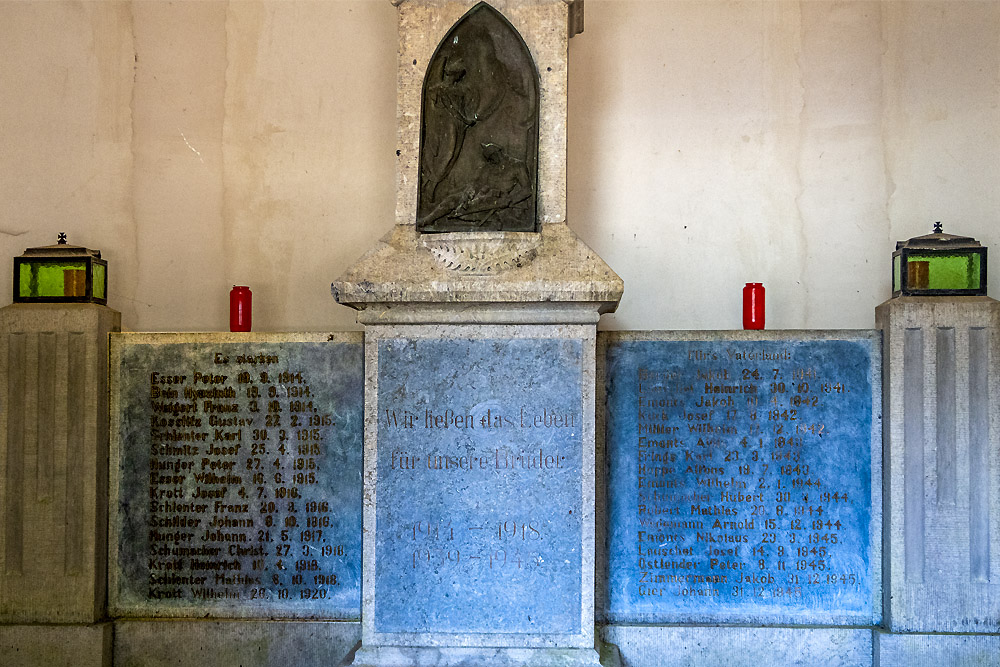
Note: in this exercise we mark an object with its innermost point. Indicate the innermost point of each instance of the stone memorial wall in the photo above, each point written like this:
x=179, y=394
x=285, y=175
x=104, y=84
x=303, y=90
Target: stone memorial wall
x=738, y=484
x=742, y=482
x=236, y=475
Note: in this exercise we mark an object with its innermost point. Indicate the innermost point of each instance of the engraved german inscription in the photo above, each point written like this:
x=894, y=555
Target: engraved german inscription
x=741, y=475
x=239, y=477
x=478, y=501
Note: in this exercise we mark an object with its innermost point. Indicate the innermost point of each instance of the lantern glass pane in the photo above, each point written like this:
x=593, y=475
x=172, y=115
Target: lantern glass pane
x=53, y=279
x=24, y=280
x=943, y=272
x=896, y=272
x=98, y=281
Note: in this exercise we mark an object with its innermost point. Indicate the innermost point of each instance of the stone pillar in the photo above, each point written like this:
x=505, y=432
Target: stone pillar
x=480, y=362
x=942, y=465
x=479, y=491
x=479, y=450
x=54, y=482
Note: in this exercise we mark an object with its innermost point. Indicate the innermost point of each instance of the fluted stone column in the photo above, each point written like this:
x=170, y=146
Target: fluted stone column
x=942, y=468
x=54, y=483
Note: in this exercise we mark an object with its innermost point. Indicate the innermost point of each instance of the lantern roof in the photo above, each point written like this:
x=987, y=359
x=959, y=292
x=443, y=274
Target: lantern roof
x=61, y=249
x=938, y=240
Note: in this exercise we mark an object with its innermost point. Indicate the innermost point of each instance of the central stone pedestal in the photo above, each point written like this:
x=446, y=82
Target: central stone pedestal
x=480, y=310
x=479, y=456
x=479, y=514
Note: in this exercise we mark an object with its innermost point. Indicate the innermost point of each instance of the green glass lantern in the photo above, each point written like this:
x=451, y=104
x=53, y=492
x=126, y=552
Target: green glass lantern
x=939, y=264
x=60, y=273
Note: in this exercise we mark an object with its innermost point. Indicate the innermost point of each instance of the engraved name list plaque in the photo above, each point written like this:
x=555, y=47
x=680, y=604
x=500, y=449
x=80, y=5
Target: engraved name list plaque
x=740, y=477
x=236, y=464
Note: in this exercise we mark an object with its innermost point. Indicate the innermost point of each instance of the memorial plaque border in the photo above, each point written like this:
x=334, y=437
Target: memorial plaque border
x=776, y=617
x=374, y=334
x=117, y=609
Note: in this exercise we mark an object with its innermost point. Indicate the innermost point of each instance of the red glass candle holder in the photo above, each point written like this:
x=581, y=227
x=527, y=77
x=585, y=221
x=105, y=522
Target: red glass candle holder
x=753, y=306
x=240, y=308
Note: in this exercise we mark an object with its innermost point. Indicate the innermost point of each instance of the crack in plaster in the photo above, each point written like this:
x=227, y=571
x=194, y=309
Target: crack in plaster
x=888, y=71
x=129, y=290
x=803, y=119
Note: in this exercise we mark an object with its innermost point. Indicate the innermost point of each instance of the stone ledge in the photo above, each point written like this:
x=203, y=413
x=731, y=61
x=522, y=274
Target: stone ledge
x=403, y=656
x=933, y=649
x=55, y=645
x=552, y=267
x=481, y=313
x=740, y=646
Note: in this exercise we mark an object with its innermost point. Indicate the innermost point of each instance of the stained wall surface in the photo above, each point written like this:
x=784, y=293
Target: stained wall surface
x=205, y=144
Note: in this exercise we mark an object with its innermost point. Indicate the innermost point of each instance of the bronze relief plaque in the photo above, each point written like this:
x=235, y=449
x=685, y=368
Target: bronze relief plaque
x=479, y=130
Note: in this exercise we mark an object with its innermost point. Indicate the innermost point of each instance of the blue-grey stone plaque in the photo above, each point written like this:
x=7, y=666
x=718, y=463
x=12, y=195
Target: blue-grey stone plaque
x=236, y=475
x=478, y=495
x=743, y=477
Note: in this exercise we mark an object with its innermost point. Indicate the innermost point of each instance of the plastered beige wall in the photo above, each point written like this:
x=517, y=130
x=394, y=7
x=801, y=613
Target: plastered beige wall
x=202, y=144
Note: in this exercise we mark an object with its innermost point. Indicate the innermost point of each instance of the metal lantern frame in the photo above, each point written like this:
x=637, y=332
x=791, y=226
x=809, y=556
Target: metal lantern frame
x=937, y=244
x=62, y=253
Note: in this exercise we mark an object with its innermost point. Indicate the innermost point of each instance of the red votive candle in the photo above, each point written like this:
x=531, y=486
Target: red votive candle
x=753, y=306
x=240, y=308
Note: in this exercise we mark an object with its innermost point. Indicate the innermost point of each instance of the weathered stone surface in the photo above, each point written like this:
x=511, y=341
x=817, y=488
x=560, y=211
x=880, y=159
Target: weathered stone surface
x=942, y=407
x=480, y=492
x=743, y=477
x=470, y=269
x=479, y=460
x=504, y=269
x=56, y=645
x=401, y=656
x=236, y=475
x=742, y=647
x=196, y=643
x=941, y=650
x=53, y=461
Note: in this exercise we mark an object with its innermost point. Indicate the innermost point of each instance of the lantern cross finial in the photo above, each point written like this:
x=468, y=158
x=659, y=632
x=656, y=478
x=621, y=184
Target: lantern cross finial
x=937, y=228
x=62, y=238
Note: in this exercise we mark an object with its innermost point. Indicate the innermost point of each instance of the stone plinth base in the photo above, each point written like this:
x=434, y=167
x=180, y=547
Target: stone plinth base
x=699, y=646
x=945, y=650
x=399, y=656
x=55, y=645
x=192, y=643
